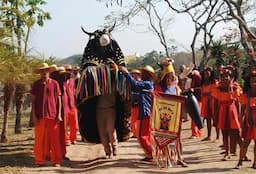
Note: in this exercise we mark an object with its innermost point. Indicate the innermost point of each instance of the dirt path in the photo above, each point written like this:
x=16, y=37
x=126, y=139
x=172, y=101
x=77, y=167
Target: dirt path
x=202, y=157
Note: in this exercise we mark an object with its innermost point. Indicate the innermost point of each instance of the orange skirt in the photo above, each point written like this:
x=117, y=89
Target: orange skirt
x=249, y=133
x=228, y=117
x=206, y=111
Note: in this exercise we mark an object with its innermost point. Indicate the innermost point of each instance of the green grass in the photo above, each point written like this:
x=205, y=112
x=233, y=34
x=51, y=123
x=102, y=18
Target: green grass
x=17, y=152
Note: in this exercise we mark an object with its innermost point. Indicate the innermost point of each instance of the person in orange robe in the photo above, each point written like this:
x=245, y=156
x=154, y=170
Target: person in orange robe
x=59, y=74
x=72, y=118
x=228, y=121
x=46, y=114
x=208, y=84
x=248, y=112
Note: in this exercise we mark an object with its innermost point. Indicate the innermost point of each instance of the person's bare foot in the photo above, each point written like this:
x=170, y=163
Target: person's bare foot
x=225, y=158
x=239, y=165
x=254, y=166
x=182, y=163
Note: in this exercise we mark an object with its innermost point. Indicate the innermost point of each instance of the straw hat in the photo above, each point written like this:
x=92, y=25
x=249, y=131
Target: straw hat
x=76, y=68
x=68, y=67
x=150, y=70
x=186, y=71
x=42, y=66
x=135, y=71
x=61, y=70
x=53, y=68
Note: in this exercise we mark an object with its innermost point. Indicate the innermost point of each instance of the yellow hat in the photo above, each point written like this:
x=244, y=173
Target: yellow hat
x=167, y=69
x=42, y=67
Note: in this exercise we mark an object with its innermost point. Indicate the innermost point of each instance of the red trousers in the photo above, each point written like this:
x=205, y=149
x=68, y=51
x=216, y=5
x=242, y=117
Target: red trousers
x=47, y=141
x=134, y=118
x=62, y=136
x=144, y=136
x=72, y=123
x=195, y=131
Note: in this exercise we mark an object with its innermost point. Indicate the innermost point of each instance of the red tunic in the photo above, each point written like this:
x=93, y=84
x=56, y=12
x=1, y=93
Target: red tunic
x=207, y=104
x=46, y=96
x=248, y=131
x=228, y=114
x=70, y=87
x=65, y=98
x=206, y=101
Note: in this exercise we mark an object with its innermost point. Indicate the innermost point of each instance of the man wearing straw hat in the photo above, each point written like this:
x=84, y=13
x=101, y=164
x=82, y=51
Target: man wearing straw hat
x=72, y=120
x=145, y=88
x=136, y=74
x=46, y=114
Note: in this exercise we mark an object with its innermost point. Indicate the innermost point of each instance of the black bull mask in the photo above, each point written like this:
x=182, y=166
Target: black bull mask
x=101, y=48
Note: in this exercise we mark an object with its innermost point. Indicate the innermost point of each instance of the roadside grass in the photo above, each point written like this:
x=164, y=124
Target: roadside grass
x=17, y=152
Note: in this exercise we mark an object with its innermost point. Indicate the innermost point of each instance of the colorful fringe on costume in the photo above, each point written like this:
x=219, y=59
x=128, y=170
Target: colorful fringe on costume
x=100, y=80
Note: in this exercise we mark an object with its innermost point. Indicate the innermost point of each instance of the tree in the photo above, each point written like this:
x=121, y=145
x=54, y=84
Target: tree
x=159, y=20
x=228, y=10
x=237, y=10
x=16, y=17
x=223, y=10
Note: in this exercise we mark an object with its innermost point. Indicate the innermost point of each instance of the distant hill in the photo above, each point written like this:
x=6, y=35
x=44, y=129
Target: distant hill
x=73, y=60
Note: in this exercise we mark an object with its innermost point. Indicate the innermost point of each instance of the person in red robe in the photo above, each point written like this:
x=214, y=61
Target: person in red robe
x=72, y=118
x=248, y=112
x=209, y=83
x=226, y=95
x=46, y=114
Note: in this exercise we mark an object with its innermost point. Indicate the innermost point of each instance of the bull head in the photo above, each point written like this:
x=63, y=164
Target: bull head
x=102, y=35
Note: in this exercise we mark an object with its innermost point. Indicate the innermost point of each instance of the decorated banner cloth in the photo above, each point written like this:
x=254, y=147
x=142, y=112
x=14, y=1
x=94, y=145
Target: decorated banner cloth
x=166, y=117
x=101, y=80
x=166, y=122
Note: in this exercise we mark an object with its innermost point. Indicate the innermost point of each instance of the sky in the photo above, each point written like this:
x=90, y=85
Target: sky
x=62, y=37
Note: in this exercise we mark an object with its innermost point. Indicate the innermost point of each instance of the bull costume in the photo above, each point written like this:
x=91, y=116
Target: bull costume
x=100, y=116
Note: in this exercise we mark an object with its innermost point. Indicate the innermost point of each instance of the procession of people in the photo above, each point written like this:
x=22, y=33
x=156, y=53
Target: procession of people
x=224, y=104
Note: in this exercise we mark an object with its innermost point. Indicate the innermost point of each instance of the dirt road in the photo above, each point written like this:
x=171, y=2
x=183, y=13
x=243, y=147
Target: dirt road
x=202, y=157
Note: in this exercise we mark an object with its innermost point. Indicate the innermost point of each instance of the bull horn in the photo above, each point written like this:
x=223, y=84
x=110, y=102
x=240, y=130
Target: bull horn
x=90, y=34
x=112, y=28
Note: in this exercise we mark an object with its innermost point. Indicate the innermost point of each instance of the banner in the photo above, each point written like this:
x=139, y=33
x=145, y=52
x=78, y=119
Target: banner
x=166, y=119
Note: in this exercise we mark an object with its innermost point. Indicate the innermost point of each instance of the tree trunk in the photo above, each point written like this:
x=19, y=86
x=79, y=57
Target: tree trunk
x=19, y=99
x=8, y=90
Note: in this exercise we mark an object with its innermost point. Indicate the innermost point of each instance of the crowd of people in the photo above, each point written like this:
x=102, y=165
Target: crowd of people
x=224, y=105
